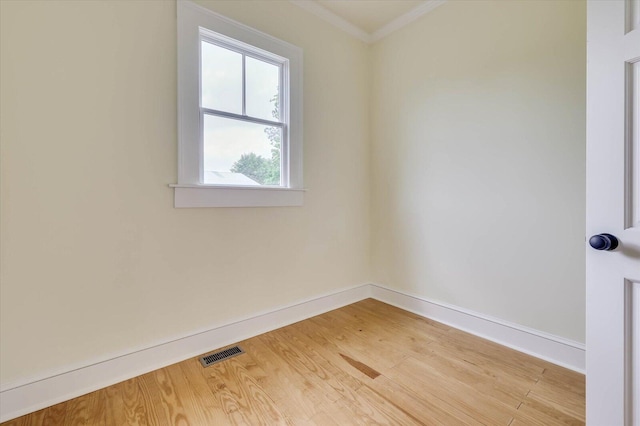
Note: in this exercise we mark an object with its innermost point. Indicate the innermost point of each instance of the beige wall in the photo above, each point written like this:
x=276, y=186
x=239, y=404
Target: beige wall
x=471, y=131
x=95, y=259
x=478, y=128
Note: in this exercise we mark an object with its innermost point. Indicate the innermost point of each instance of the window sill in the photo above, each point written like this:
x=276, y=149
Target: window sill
x=188, y=196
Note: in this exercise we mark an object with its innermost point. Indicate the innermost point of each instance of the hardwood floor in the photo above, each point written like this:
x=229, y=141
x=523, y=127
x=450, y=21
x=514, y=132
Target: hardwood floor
x=367, y=363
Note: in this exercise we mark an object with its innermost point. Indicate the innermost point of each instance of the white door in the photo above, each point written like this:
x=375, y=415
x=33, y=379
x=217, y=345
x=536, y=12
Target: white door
x=613, y=207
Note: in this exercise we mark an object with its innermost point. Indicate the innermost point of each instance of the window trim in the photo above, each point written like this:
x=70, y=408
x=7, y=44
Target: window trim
x=193, y=21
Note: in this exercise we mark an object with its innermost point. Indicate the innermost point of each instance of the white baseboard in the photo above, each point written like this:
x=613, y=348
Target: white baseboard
x=40, y=392
x=557, y=350
x=23, y=398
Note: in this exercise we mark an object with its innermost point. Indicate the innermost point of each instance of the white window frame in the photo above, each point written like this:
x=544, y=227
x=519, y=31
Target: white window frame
x=196, y=23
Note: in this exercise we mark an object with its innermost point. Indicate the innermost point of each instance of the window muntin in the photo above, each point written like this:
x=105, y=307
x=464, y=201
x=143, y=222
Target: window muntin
x=242, y=97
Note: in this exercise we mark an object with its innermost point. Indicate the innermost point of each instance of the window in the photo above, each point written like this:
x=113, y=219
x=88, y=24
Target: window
x=239, y=114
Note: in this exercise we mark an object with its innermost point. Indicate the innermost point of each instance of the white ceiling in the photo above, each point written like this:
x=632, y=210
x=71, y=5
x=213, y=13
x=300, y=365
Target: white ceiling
x=369, y=20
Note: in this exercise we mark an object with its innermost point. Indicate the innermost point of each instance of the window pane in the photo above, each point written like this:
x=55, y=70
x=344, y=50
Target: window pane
x=263, y=80
x=240, y=153
x=221, y=75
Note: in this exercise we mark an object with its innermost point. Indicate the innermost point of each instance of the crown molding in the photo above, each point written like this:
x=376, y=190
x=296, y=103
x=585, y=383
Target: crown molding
x=405, y=19
x=320, y=11
x=333, y=19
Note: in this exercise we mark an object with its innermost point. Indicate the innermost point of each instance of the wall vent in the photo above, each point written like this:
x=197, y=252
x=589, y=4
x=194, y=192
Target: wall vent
x=216, y=357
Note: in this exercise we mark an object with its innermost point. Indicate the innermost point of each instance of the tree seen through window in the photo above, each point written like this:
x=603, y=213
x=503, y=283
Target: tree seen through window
x=265, y=171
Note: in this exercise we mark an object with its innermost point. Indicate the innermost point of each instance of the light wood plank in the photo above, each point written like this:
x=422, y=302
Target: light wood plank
x=138, y=409
x=240, y=395
x=109, y=406
x=452, y=392
x=532, y=412
x=298, y=398
x=202, y=397
x=79, y=411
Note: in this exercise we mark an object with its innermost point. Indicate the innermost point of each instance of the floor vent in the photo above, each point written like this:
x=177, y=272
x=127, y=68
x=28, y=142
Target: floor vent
x=211, y=359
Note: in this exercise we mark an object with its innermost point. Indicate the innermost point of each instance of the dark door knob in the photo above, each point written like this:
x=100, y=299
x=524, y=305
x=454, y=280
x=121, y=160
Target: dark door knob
x=603, y=242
